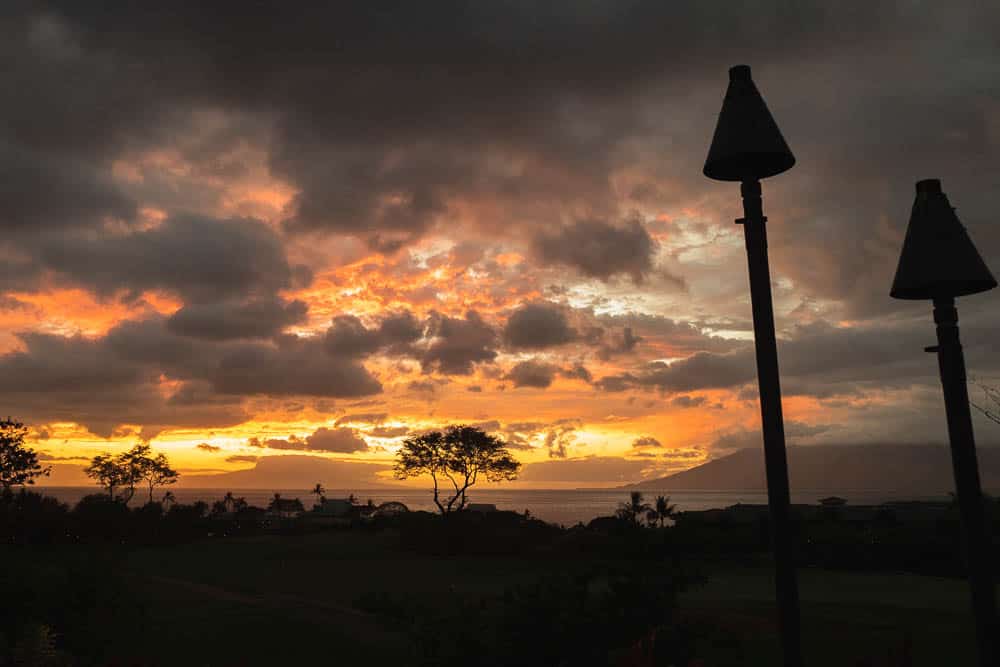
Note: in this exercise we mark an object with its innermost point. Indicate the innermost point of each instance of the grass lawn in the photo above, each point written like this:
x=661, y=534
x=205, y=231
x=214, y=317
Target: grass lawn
x=272, y=599
x=276, y=599
x=846, y=617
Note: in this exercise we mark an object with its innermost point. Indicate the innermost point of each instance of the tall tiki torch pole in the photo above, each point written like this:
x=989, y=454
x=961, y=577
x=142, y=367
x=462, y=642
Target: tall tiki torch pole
x=939, y=262
x=748, y=146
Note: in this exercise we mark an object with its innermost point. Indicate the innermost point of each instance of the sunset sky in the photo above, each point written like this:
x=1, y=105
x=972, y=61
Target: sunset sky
x=240, y=231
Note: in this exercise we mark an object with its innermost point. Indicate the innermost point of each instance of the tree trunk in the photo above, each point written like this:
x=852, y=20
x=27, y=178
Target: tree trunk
x=437, y=500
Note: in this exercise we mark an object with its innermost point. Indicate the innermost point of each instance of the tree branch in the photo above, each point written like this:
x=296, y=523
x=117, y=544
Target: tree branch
x=989, y=415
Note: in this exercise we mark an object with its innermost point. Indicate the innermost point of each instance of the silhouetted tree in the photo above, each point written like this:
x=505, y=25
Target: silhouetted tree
x=18, y=464
x=169, y=499
x=157, y=472
x=319, y=492
x=106, y=471
x=133, y=464
x=460, y=455
x=125, y=471
x=663, y=509
x=634, y=509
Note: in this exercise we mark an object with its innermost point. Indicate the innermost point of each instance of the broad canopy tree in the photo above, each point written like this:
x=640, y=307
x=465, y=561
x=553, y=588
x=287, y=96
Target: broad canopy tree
x=106, y=471
x=18, y=464
x=460, y=455
x=130, y=469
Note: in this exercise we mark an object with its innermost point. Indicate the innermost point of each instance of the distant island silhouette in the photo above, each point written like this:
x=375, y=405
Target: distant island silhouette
x=295, y=471
x=915, y=469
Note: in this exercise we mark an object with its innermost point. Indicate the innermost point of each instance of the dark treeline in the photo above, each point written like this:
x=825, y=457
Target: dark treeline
x=611, y=590
x=912, y=537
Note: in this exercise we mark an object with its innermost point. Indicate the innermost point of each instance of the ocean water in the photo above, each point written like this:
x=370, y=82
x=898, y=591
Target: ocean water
x=564, y=506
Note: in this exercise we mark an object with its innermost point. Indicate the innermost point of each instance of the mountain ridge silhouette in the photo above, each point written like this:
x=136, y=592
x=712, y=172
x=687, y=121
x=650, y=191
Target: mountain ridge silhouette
x=919, y=469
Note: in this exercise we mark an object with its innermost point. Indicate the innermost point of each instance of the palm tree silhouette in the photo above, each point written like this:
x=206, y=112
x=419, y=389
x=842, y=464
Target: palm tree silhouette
x=168, y=499
x=320, y=493
x=663, y=509
x=634, y=509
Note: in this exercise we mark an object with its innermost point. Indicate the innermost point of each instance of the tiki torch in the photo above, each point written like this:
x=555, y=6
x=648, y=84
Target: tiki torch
x=747, y=147
x=939, y=262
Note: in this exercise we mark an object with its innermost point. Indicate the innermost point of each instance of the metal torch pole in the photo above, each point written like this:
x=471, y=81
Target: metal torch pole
x=951, y=363
x=778, y=495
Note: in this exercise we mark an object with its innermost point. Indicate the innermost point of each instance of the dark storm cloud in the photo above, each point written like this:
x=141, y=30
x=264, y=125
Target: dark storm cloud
x=538, y=326
x=291, y=366
x=348, y=337
x=702, y=370
x=87, y=381
x=40, y=193
x=257, y=318
x=115, y=379
x=394, y=333
x=52, y=363
x=398, y=329
x=337, y=440
x=616, y=383
x=845, y=247
x=200, y=259
x=599, y=249
x=577, y=372
x=636, y=328
x=816, y=359
x=614, y=345
x=532, y=373
x=194, y=393
x=343, y=440
x=457, y=344
x=439, y=97
x=688, y=401
x=386, y=118
x=294, y=367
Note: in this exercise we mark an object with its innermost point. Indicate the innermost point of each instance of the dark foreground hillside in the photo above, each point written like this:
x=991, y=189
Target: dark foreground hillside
x=476, y=590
